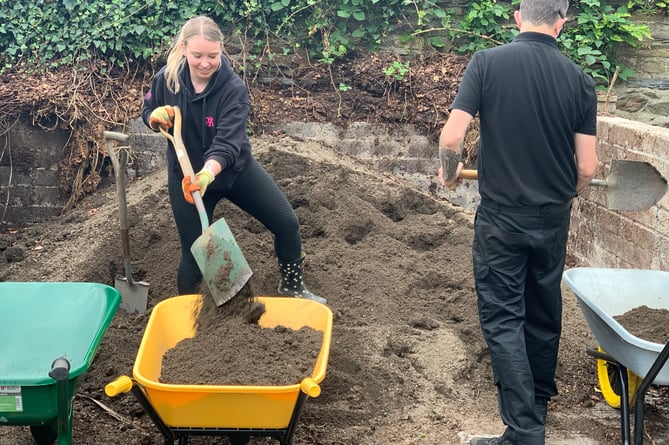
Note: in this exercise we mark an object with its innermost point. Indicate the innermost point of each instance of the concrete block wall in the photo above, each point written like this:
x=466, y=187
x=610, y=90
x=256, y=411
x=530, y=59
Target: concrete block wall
x=29, y=158
x=29, y=173
x=623, y=239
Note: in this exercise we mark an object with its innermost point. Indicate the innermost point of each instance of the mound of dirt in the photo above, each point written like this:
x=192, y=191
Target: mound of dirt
x=407, y=361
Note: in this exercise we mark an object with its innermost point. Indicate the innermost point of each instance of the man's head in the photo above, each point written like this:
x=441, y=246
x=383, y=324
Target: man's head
x=546, y=16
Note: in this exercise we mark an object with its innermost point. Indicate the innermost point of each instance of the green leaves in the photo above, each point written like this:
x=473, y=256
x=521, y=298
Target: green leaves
x=600, y=29
x=590, y=39
x=398, y=69
x=278, y=6
x=56, y=32
x=486, y=24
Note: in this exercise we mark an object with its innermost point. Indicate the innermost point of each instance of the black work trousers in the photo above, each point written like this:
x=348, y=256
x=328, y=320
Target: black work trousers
x=518, y=258
x=253, y=191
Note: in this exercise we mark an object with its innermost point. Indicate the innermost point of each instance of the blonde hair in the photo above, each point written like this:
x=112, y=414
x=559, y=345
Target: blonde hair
x=201, y=26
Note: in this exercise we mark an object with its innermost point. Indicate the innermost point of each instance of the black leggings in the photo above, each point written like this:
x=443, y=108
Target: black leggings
x=255, y=192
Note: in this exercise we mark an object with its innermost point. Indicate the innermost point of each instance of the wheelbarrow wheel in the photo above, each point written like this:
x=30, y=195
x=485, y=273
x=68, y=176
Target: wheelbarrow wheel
x=611, y=386
x=44, y=434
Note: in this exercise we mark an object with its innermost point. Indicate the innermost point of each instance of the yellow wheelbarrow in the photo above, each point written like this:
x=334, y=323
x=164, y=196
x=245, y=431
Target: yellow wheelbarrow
x=237, y=412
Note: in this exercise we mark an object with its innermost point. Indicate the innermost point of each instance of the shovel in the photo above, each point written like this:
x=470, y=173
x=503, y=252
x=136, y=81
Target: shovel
x=630, y=185
x=221, y=261
x=134, y=294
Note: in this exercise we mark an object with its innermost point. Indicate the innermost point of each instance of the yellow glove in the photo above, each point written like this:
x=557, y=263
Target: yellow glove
x=202, y=180
x=162, y=117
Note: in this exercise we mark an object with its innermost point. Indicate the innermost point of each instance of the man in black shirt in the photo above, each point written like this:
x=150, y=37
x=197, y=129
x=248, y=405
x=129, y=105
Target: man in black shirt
x=537, y=112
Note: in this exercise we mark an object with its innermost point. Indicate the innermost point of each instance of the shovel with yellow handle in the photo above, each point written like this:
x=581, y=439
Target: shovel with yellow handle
x=224, y=268
x=630, y=185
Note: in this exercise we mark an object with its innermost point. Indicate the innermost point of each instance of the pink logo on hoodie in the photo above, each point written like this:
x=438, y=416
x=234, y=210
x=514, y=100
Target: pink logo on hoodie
x=210, y=121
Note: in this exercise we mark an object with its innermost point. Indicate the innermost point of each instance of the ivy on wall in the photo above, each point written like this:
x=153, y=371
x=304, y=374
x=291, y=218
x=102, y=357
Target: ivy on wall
x=125, y=32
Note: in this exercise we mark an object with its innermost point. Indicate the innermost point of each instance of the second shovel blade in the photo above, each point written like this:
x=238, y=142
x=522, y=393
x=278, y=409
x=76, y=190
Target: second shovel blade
x=633, y=185
x=134, y=295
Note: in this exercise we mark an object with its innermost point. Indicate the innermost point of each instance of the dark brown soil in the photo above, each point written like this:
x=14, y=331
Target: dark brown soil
x=646, y=323
x=231, y=348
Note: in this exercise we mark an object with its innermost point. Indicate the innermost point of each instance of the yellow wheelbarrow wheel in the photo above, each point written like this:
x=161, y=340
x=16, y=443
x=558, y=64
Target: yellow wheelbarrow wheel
x=610, y=384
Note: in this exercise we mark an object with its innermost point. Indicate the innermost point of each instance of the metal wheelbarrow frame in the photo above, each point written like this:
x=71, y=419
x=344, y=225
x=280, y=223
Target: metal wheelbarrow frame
x=238, y=412
x=604, y=293
x=57, y=328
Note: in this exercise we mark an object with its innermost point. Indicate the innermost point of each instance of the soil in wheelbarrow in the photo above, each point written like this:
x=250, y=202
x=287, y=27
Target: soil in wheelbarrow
x=407, y=365
x=646, y=323
x=266, y=356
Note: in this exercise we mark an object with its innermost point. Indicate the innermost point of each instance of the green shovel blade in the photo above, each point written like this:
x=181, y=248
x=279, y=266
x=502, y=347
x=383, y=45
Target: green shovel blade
x=221, y=261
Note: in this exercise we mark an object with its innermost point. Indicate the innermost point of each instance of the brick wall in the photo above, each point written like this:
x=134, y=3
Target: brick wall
x=624, y=239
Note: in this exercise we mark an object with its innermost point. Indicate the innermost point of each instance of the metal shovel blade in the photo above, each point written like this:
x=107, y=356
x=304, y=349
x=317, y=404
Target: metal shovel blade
x=134, y=295
x=632, y=185
x=223, y=265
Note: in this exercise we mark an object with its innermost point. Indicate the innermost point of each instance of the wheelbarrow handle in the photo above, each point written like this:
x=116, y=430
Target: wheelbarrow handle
x=60, y=369
x=121, y=385
x=310, y=387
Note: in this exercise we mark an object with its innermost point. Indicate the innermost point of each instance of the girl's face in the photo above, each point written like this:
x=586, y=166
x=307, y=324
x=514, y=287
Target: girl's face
x=203, y=56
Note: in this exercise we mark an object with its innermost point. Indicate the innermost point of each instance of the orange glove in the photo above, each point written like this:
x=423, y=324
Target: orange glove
x=202, y=180
x=162, y=117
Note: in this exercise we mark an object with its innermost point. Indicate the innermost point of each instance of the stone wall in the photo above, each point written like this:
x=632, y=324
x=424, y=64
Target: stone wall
x=29, y=190
x=645, y=97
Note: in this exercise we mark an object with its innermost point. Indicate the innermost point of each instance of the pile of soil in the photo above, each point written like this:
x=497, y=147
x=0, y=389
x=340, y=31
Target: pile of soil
x=407, y=363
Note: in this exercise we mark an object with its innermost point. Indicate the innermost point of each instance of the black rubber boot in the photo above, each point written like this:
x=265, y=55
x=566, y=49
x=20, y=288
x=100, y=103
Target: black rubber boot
x=292, y=283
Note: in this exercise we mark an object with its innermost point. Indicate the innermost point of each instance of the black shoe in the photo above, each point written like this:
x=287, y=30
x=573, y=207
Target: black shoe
x=489, y=441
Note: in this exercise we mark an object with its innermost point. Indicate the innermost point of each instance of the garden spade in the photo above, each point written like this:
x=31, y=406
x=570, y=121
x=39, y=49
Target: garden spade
x=630, y=185
x=224, y=268
x=134, y=294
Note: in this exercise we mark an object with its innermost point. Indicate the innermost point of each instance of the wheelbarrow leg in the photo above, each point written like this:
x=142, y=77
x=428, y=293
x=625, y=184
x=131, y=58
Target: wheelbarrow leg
x=297, y=412
x=624, y=404
x=641, y=393
x=157, y=421
x=60, y=372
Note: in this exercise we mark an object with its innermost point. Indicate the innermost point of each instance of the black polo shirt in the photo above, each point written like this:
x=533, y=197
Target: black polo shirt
x=531, y=99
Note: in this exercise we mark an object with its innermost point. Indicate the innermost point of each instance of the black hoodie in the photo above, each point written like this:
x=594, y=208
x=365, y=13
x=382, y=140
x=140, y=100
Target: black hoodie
x=214, y=121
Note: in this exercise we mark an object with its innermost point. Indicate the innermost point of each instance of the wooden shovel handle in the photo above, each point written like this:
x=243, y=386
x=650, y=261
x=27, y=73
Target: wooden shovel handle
x=473, y=174
x=468, y=174
x=184, y=162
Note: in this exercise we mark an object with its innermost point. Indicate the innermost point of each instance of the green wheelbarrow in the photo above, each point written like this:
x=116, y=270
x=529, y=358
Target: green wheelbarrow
x=51, y=333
